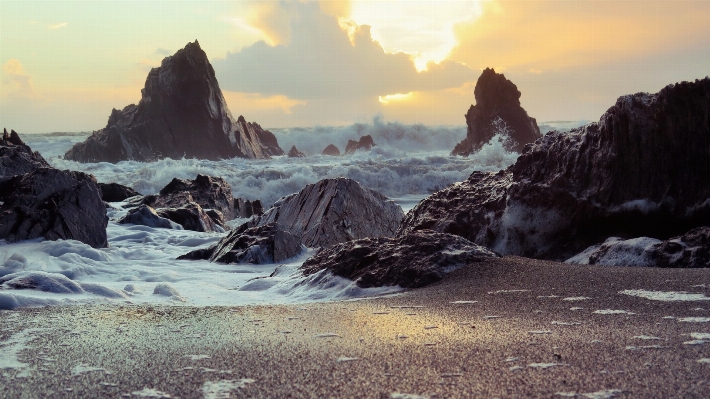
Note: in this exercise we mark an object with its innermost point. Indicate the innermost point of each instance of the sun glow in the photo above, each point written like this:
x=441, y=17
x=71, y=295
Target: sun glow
x=390, y=98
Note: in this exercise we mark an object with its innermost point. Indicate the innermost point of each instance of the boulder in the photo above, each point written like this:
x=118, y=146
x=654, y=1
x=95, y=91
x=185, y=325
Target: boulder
x=331, y=150
x=146, y=216
x=294, y=153
x=191, y=216
x=114, y=192
x=210, y=192
x=413, y=260
x=53, y=204
x=17, y=158
x=642, y=170
x=333, y=211
x=691, y=250
x=258, y=245
x=182, y=113
x=365, y=143
x=497, y=111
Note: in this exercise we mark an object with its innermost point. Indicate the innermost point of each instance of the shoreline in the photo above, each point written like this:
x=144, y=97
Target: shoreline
x=417, y=342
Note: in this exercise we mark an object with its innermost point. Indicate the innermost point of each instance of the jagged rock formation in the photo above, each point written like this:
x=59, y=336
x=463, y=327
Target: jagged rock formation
x=207, y=191
x=16, y=157
x=191, y=216
x=333, y=211
x=262, y=244
x=182, y=113
x=413, y=260
x=497, y=110
x=642, y=170
x=365, y=143
x=114, y=192
x=331, y=150
x=146, y=216
x=690, y=250
x=246, y=209
x=53, y=204
x=294, y=153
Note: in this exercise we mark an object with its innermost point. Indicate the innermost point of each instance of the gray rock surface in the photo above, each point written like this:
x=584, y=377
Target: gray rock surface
x=182, y=113
x=413, y=260
x=146, y=216
x=17, y=158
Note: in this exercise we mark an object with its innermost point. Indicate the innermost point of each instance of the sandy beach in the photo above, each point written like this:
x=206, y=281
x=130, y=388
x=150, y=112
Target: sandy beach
x=512, y=327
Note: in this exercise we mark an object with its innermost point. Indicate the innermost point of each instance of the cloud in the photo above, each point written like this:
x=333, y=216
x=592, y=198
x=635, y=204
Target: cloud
x=20, y=81
x=57, y=26
x=163, y=52
x=316, y=59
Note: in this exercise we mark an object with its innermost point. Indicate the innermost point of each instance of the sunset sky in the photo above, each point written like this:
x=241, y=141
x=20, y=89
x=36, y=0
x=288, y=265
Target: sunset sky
x=66, y=64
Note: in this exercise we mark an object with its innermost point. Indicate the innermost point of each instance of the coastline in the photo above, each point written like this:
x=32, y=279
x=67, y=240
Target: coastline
x=439, y=350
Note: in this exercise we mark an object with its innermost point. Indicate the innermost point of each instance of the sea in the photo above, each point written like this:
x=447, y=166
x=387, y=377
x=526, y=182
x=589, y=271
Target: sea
x=408, y=163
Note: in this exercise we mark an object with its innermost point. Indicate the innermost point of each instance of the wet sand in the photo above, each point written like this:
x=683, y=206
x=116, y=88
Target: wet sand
x=417, y=343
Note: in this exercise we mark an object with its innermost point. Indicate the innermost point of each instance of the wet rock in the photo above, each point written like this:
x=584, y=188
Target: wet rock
x=210, y=192
x=191, y=216
x=497, y=111
x=365, y=143
x=331, y=150
x=333, y=211
x=246, y=209
x=114, y=192
x=146, y=216
x=413, y=260
x=294, y=153
x=258, y=245
x=17, y=158
x=53, y=204
x=182, y=113
x=642, y=170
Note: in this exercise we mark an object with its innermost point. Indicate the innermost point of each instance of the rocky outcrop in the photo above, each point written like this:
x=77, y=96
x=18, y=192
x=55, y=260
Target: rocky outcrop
x=365, y=143
x=413, y=260
x=331, y=150
x=497, y=111
x=258, y=245
x=191, y=216
x=642, y=170
x=146, y=216
x=182, y=113
x=16, y=157
x=207, y=191
x=294, y=153
x=246, y=209
x=691, y=250
x=53, y=204
x=114, y=192
x=333, y=211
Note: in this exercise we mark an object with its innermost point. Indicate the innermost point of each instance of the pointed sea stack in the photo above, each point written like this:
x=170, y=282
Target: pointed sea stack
x=497, y=110
x=182, y=113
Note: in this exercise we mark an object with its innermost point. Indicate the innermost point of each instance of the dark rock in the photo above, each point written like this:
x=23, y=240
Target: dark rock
x=413, y=260
x=333, y=211
x=246, y=209
x=692, y=249
x=146, y=216
x=497, y=110
x=642, y=170
x=114, y=192
x=210, y=192
x=190, y=216
x=17, y=158
x=364, y=144
x=331, y=150
x=294, y=153
x=262, y=244
x=53, y=204
x=257, y=207
x=182, y=113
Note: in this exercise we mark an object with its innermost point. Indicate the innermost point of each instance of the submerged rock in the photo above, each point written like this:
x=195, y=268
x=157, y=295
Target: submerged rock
x=333, y=211
x=642, y=170
x=294, y=153
x=413, y=260
x=365, y=143
x=331, y=150
x=497, y=111
x=146, y=216
x=114, y=192
x=53, y=204
x=16, y=157
x=182, y=113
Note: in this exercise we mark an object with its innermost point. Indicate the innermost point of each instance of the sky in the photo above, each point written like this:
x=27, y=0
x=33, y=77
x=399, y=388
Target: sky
x=65, y=64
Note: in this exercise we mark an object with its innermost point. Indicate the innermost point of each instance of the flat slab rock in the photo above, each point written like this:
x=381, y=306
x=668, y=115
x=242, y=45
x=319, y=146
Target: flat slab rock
x=413, y=260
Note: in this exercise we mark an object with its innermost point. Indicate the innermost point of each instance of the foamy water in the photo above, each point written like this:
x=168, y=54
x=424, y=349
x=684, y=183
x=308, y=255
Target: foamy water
x=140, y=266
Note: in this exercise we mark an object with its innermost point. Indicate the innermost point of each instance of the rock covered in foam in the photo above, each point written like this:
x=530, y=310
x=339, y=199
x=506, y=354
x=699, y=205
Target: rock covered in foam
x=365, y=143
x=412, y=260
x=146, y=216
x=17, y=158
x=331, y=150
x=53, y=204
x=497, y=111
x=182, y=113
x=294, y=153
x=114, y=192
x=642, y=170
x=258, y=245
x=333, y=211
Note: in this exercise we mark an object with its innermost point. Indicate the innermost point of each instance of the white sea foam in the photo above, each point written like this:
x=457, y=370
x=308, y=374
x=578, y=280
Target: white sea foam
x=666, y=296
